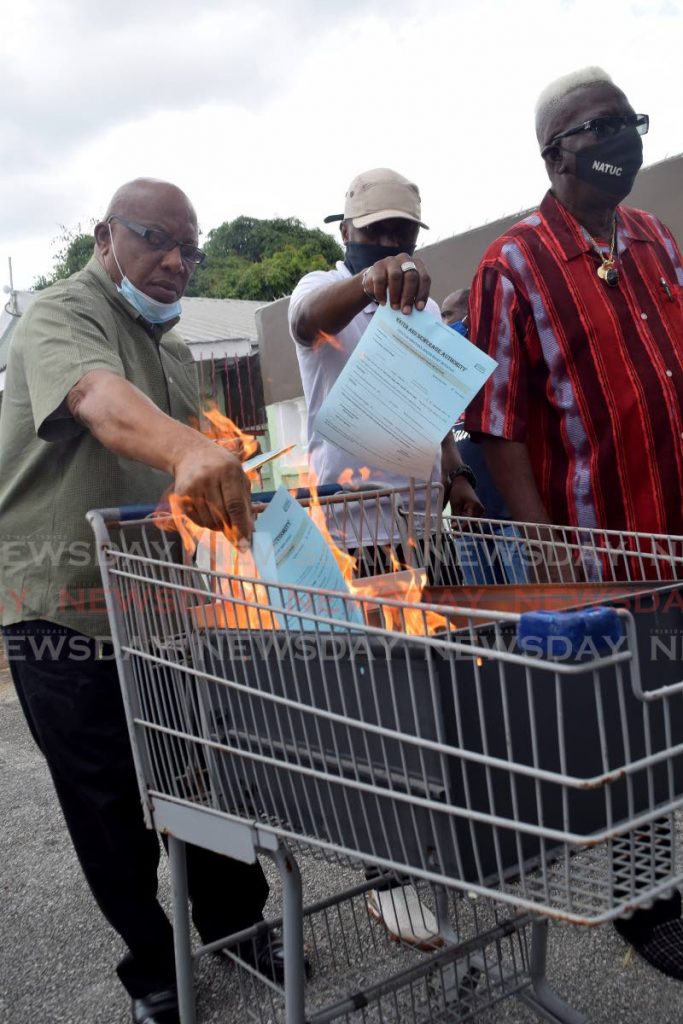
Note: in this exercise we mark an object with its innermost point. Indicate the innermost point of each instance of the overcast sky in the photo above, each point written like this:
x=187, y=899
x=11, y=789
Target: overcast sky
x=269, y=109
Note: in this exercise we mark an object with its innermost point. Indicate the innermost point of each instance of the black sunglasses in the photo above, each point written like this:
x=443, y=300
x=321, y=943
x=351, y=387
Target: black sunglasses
x=158, y=239
x=604, y=127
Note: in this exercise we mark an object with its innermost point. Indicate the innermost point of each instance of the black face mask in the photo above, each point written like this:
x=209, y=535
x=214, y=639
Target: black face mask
x=360, y=256
x=611, y=164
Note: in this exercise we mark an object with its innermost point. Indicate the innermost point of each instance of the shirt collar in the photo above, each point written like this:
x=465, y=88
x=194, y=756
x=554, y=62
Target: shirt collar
x=95, y=268
x=569, y=234
x=630, y=226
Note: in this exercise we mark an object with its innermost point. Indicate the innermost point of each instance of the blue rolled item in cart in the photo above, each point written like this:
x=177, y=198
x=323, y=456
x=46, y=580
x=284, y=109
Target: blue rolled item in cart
x=129, y=513
x=300, y=493
x=552, y=634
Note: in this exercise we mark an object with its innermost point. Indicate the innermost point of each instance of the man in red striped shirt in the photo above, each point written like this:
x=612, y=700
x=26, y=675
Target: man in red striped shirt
x=581, y=304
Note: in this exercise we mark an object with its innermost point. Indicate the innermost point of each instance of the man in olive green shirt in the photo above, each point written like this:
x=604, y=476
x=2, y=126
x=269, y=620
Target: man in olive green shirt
x=98, y=395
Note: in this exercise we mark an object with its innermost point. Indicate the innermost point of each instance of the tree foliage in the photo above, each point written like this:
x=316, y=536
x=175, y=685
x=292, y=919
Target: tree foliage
x=254, y=240
x=75, y=249
x=246, y=258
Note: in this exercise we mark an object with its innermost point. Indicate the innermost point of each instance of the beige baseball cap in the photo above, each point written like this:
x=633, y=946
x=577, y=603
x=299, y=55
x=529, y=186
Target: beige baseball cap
x=379, y=195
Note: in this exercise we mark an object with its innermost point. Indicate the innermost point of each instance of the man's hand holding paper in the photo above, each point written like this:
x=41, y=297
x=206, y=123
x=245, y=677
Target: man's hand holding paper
x=408, y=380
x=401, y=280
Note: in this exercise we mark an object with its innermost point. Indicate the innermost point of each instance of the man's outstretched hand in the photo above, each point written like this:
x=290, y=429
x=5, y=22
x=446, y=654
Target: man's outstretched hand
x=215, y=490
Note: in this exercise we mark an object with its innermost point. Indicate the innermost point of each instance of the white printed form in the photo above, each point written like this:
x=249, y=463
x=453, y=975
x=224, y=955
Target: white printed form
x=289, y=549
x=403, y=388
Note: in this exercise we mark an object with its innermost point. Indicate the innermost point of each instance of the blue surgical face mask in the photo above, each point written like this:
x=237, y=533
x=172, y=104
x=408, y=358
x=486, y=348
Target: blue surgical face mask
x=460, y=326
x=153, y=311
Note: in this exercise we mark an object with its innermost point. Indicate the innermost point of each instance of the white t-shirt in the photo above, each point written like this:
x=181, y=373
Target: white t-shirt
x=320, y=365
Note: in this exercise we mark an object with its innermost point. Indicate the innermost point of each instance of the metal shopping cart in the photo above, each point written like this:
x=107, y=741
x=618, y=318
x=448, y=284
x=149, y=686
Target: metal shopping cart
x=515, y=778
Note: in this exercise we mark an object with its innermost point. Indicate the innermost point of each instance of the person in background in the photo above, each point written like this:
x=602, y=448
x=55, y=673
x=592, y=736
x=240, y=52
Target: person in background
x=328, y=313
x=487, y=553
x=98, y=396
x=581, y=304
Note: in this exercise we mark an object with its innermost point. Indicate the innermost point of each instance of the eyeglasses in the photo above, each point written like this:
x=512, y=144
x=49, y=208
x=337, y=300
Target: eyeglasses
x=161, y=240
x=606, y=126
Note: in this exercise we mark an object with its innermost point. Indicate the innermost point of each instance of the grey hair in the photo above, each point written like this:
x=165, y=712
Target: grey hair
x=553, y=95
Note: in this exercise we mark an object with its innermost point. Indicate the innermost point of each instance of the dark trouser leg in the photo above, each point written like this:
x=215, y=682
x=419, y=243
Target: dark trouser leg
x=227, y=895
x=75, y=713
x=642, y=847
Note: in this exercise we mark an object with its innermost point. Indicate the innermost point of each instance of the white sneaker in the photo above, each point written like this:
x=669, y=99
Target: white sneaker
x=405, y=916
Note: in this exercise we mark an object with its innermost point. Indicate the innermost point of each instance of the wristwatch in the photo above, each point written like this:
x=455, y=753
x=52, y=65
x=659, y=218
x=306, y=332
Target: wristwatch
x=462, y=471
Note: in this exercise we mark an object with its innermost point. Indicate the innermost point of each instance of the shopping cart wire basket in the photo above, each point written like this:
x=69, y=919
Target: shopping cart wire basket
x=470, y=754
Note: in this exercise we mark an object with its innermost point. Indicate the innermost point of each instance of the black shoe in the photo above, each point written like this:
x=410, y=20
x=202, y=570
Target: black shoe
x=657, y=935
x=266, y=953
x=157, y=1008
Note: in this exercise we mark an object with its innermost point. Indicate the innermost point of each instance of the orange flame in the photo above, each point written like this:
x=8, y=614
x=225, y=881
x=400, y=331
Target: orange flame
x=345, y=561
x=233, y=566
x=404, y=584
x=414, y=621
x=225, y=558
x=223, y=431
x=407, y=583
x=351, y=477
x=231, y=563
x=322, y=338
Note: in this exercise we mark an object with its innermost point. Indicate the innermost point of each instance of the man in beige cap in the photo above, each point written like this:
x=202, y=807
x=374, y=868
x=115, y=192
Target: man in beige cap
x=328, y=313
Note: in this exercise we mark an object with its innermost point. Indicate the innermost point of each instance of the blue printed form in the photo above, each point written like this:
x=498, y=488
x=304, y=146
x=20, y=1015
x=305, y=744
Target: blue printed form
x=403, y=388
x=289, y=549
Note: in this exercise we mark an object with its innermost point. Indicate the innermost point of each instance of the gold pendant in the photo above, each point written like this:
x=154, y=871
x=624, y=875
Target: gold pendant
x=608, y=272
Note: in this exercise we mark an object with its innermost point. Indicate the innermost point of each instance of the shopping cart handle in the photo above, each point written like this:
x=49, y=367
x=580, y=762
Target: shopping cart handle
x=301, y=493
x=128, y=512
x=570, y=634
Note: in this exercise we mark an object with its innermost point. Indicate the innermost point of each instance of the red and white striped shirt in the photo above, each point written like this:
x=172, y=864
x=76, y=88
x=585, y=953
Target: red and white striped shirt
x=589, y=376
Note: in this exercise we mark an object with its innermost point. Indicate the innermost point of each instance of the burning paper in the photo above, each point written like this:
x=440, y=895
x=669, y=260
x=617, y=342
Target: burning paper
x=289, y=549
x=403, y=388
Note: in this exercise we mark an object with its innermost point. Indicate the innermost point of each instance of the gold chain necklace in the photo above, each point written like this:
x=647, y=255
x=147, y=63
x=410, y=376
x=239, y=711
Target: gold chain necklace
x=607, y=271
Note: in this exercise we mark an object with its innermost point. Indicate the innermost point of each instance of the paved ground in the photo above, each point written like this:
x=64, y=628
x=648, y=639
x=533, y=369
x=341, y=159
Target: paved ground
x=56, y=965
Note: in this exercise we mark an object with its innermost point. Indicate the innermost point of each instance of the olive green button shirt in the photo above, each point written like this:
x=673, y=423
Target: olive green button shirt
x=52, y=470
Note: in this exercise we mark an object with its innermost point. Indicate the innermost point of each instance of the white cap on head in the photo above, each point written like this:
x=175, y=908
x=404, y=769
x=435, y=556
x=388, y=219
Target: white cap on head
x=380, y=194
x=554, y=93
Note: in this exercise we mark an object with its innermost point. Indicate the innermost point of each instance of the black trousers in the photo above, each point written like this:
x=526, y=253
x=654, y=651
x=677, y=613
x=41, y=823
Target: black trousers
x=74, y=709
